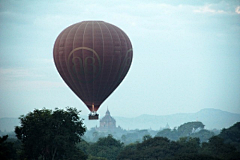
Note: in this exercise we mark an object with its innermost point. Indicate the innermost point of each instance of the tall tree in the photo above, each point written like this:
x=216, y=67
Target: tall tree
x=51, y=134
x=106, y=147
x=232, y=135
x=7, y=151
x=218, y=149
x=187, y=128
x=204, y=135
x=168, y=133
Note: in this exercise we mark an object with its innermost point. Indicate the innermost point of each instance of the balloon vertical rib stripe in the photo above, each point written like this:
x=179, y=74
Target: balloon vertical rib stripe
x=103, y=59
x=64, y=60
x=114, y=77
x=107, y=82
x=84, y=72
x=76, y=42
x=93, y=38
x=61, y=60
x=123, y=50
x=98, y=86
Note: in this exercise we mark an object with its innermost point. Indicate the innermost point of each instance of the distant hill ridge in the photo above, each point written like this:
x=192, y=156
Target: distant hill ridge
x=211, y=118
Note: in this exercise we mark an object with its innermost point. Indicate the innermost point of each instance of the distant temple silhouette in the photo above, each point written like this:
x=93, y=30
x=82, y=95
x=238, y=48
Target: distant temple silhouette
x=108, y=124
x=167, y=126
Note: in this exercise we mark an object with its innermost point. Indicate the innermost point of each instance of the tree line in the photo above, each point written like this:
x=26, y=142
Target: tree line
x=58, y=134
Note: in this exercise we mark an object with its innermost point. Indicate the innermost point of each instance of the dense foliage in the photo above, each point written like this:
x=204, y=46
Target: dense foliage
x=191, y=129
x=187, y=148
x=7, y=150
x=51, y=134
x=107, y=147
x=162, y=148
x=232, y=135
x=44, y=131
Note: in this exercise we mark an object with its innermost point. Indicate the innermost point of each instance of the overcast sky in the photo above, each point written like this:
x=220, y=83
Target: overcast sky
x=186, y=56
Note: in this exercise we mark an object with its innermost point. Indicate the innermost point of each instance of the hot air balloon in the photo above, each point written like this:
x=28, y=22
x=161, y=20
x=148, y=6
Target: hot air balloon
x=92, y=57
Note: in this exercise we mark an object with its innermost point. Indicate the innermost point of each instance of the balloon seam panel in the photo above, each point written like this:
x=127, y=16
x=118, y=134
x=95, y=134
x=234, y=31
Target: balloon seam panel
x=66, y=62
x=79, y=85
x=116, y=82
x=88, y=94
x=102, y=92
x=99, y=87
x=67, y=31
x=110, y=73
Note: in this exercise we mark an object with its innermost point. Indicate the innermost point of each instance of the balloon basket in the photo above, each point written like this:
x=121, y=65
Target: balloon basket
x=93, y=117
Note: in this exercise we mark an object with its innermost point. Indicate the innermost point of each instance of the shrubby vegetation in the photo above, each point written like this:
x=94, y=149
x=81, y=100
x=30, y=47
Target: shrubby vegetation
x=46, y=134
x=7, y=149
x=162, y=148
x=232, y=135
x=185, y=148
x=190, y=129
x=126, y=136
x=106, y=147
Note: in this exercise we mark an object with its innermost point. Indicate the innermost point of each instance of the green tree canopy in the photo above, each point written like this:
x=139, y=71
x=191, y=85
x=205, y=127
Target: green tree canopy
x=51, y=134
x=216, y=147
x=204, y=135
x=170, y=134
x=7, y=151
x=187, y=128
x=106, y=147
x=232, y=135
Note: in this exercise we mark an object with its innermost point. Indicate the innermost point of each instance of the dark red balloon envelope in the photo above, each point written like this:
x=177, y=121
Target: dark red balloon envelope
x=93, y=57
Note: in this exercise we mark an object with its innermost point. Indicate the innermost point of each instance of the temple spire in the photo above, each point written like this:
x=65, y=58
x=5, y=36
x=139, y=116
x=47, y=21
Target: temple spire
x=107, y=112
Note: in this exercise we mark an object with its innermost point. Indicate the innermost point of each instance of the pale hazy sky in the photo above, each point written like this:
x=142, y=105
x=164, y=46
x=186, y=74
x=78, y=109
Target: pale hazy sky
x=186, y=56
